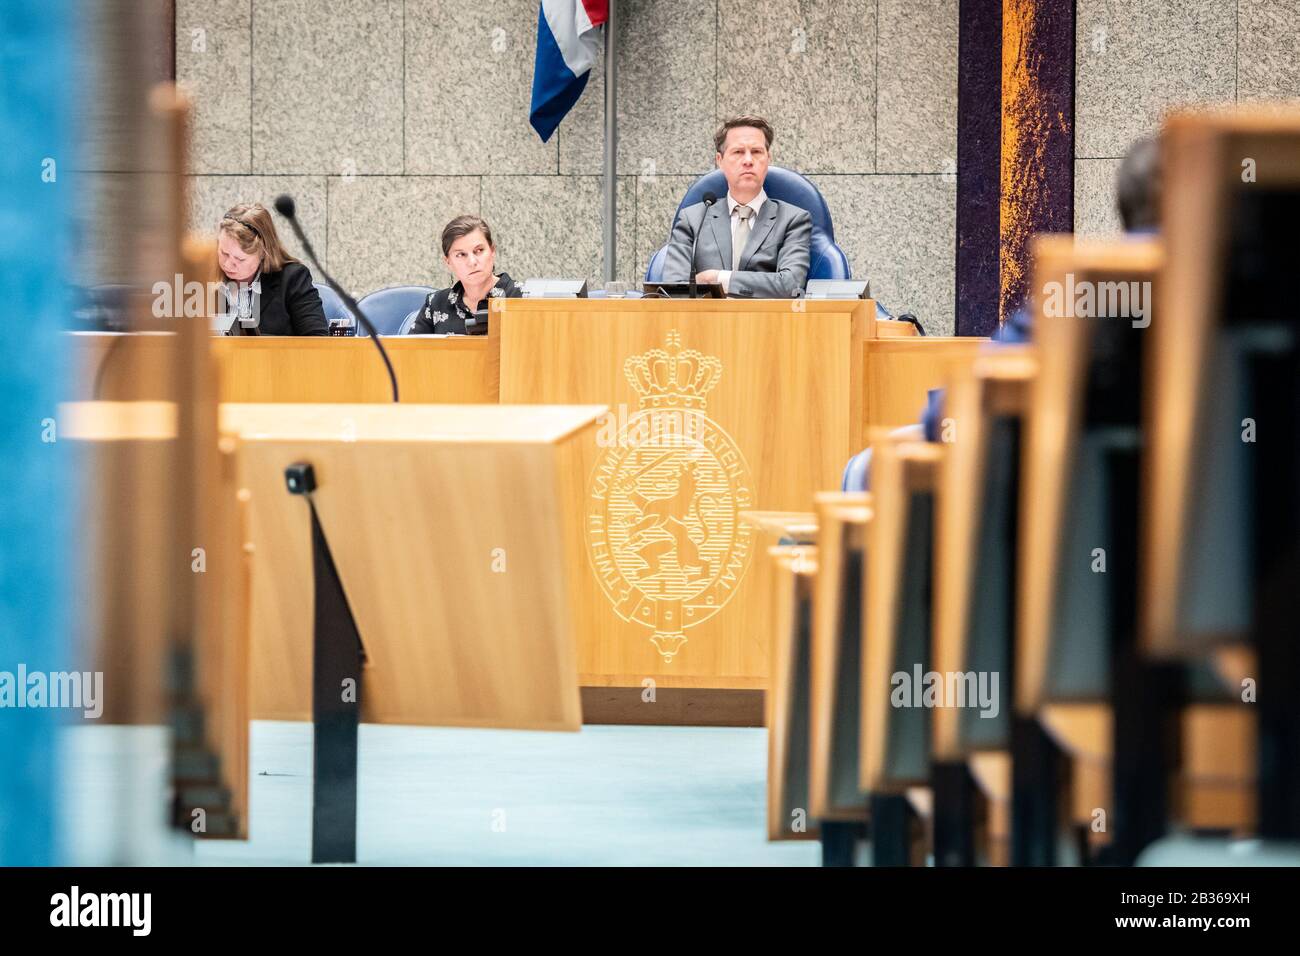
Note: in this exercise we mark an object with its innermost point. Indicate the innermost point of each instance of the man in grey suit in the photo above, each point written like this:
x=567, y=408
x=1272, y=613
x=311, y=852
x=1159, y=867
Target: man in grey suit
x=755, y=246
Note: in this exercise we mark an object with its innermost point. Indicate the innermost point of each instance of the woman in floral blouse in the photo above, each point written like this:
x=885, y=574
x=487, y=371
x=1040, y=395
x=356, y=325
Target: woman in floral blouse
x=470, y=254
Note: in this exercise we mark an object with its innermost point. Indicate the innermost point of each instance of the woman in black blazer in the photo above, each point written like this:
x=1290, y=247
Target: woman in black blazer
x=268, y=292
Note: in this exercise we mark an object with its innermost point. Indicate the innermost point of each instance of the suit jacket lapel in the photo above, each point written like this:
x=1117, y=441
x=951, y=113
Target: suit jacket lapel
x=721, y=225
x=759, y=232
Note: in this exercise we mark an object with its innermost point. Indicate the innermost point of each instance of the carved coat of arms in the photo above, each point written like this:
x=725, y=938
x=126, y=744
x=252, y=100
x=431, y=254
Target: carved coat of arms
x=663, y=531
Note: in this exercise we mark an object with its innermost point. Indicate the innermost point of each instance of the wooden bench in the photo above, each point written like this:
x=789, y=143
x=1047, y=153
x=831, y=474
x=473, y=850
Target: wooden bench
x=1221, y=544
x=894, y=759
x=127, y=448
x=789, y=706
x=1103, y=774
x=974, y=613
x=836, y=799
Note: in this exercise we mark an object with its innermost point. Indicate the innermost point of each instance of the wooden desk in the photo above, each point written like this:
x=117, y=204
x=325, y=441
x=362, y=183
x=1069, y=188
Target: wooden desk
x=899, y=366
x=450, y=370
x=796, y=386
x=898, y=372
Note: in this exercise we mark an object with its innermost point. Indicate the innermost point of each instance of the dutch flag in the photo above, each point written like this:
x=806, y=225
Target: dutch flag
x=568, y=37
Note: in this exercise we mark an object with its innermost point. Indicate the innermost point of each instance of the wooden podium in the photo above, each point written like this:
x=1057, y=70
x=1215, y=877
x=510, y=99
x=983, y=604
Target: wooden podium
x=716, y=407
x=446, y=525
x=408, y=566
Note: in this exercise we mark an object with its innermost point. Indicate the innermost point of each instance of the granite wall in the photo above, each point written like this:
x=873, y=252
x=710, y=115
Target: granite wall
x=387, y=117
x=1136, y=59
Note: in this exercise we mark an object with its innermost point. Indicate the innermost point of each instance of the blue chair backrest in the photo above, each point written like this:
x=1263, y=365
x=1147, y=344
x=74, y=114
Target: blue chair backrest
x=104, y=307
x=857, y=472
x=405, y=327
x=335, y=310
x=387, y=308
x=826, y=260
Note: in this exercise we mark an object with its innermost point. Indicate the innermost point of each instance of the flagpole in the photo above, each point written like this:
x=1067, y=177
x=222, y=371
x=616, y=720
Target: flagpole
x=610, y=218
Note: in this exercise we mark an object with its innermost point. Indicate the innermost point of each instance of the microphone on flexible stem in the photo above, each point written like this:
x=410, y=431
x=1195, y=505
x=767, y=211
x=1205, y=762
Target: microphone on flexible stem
x=709, y=200
x=285, y=206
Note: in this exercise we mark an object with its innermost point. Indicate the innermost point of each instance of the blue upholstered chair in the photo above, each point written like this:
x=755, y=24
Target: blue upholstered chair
x=104, y=308
x=826, y=260
x=405, y=327
x=387, y=309
x=857, y=472
x=335, y=310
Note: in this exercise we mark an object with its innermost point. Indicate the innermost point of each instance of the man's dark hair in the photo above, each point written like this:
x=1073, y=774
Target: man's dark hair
x=752, y=122
x=1138, y=188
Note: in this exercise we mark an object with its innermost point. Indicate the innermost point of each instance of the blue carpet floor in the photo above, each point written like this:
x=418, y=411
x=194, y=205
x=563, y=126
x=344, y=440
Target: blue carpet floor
x=609, y=795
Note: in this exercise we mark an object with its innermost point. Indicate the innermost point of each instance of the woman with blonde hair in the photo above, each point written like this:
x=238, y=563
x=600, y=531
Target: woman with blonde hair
x=268, y=292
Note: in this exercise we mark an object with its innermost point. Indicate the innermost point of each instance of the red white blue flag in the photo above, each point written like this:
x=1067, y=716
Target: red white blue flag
x=568, y=38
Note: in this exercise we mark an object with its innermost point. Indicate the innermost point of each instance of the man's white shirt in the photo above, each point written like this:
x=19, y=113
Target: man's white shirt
x=755, y=204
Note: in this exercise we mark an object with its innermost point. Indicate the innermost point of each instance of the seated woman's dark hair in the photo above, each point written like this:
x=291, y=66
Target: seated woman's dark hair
x=463, y=226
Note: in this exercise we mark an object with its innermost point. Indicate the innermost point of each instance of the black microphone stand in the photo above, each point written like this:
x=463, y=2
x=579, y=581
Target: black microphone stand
x=285, y=206
x=690, y=266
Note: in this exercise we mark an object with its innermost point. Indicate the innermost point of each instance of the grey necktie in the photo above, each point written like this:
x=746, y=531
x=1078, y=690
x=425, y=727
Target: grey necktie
x=741, y=235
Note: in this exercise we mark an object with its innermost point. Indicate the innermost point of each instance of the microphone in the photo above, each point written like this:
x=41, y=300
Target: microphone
x=709, y=200
x=286, y=207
